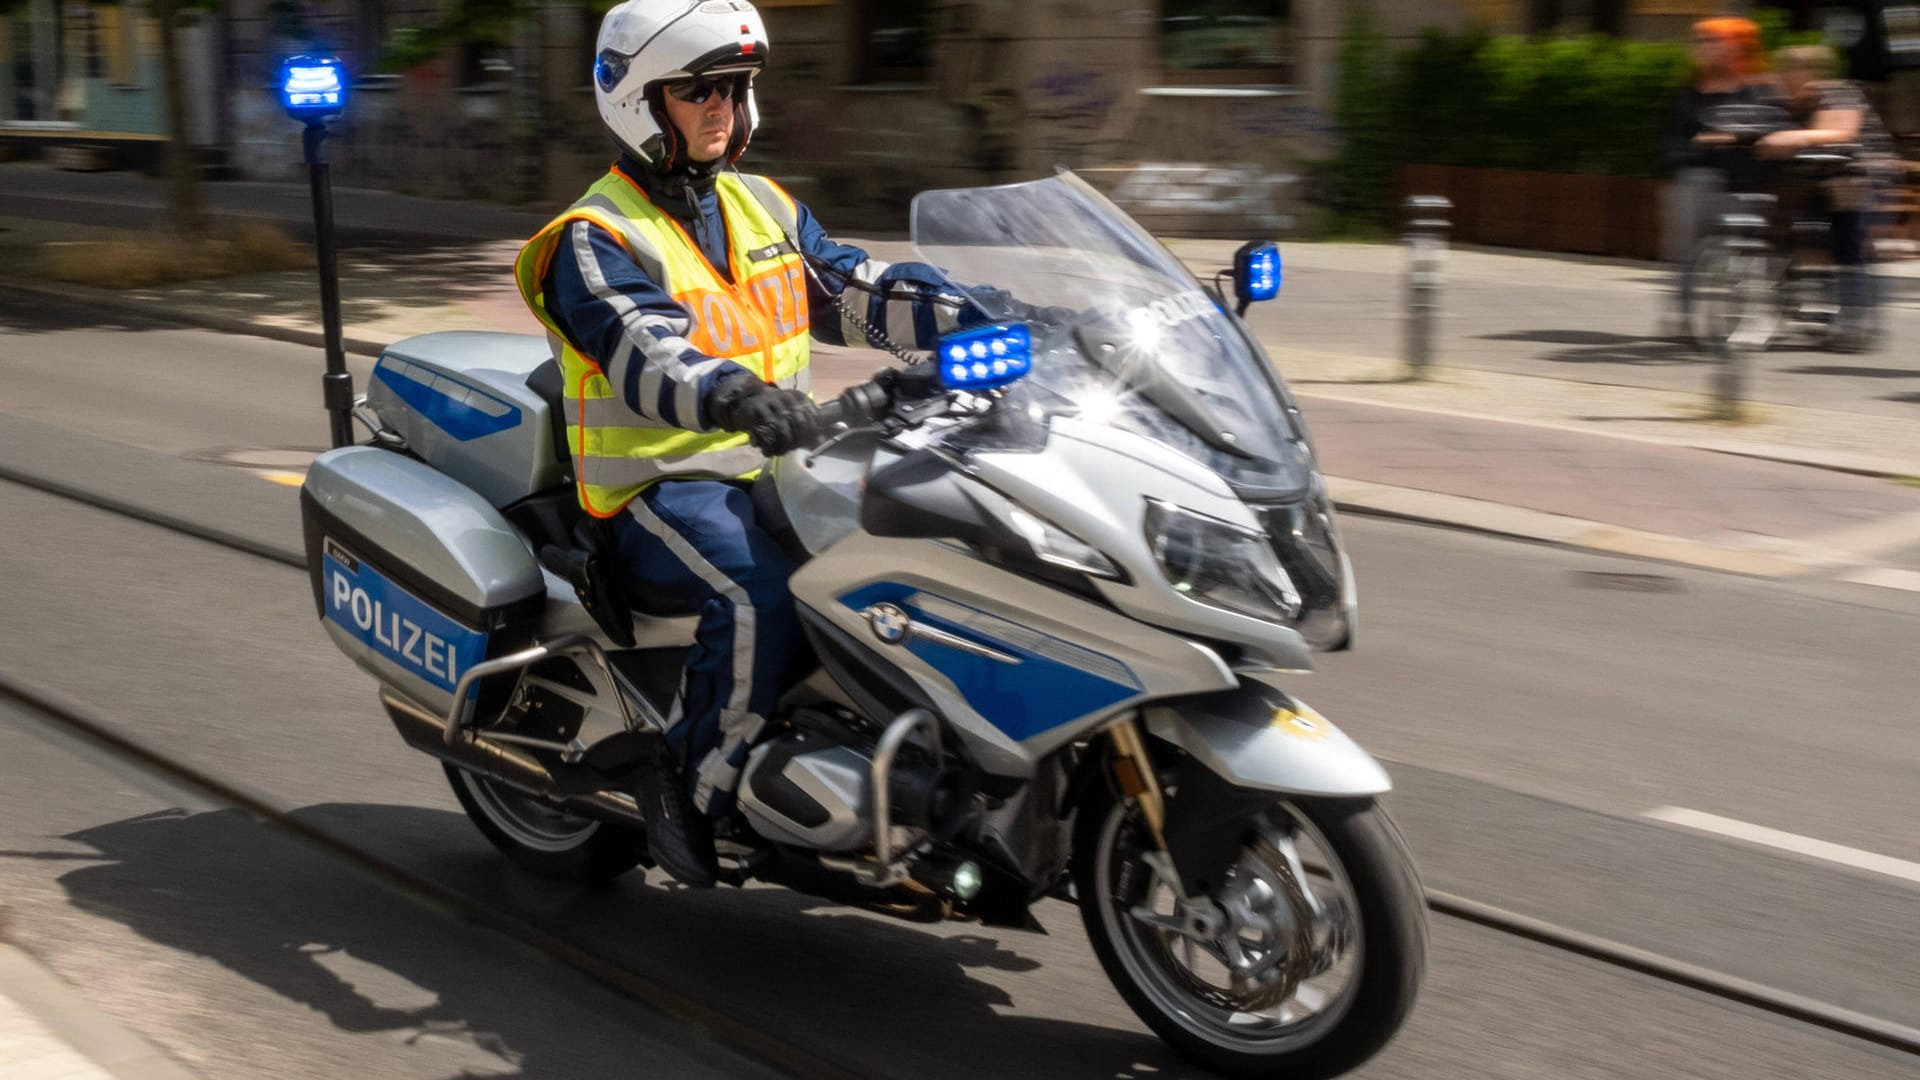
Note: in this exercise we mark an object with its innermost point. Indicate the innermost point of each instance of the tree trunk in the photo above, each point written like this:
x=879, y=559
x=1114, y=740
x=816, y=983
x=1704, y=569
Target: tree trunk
x=184, y=210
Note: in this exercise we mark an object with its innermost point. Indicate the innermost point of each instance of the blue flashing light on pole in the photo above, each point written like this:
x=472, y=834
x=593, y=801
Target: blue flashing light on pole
x=313, y=90
x=985, y=358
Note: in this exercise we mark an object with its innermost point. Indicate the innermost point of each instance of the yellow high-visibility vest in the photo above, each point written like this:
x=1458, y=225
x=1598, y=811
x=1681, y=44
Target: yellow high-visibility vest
x=759, y=321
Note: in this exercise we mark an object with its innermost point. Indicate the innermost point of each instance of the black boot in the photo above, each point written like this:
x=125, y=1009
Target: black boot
x=679, y=836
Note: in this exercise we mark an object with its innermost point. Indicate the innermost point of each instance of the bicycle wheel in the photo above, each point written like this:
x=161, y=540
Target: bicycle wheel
x=1733, y=288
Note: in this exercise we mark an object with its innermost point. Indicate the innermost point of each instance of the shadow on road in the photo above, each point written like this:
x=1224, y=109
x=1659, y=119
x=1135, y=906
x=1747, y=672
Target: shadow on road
x=1603, y=347
x=1564, y=337
x=1702, y=419
x=1855, y=372
x=24, y=314
x=880, y=996
x=1390, y=380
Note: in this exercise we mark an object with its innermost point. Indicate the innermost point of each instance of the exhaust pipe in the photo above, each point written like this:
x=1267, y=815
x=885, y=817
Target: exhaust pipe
x=426, y=731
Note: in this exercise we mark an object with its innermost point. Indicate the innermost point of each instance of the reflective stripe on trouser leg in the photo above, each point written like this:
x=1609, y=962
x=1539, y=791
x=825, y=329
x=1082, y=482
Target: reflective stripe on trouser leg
x=698, y=544
x=736, y=724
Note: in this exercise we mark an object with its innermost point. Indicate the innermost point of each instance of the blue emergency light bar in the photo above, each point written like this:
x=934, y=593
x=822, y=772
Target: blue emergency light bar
x=985, y=358
x=313, y=88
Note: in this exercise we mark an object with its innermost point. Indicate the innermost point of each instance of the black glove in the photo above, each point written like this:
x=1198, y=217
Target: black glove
x=776, y=420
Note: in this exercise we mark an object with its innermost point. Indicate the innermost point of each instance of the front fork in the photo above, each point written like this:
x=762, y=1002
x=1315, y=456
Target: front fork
x=1134, y=773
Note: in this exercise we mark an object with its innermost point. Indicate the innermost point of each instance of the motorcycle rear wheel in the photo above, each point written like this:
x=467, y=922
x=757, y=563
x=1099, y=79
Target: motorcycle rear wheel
x=544, y=841
x=1342, y=969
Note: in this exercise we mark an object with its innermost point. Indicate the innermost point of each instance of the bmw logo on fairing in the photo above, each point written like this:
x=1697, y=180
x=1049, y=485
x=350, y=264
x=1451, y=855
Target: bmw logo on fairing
x=889, y=623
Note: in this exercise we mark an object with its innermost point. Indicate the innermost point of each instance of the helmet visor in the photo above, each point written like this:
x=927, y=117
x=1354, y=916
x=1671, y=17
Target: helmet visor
x=697, y=91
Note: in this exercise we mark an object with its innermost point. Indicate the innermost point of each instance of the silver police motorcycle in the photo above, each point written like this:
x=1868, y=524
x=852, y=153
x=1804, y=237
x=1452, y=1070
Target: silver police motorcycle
x=1051, y=574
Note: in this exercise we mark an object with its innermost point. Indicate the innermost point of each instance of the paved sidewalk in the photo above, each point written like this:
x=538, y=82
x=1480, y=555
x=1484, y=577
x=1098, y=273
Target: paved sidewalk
x=1504, y=443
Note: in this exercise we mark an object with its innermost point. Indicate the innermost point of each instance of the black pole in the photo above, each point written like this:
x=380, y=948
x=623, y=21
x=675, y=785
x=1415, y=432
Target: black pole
x=337, y=384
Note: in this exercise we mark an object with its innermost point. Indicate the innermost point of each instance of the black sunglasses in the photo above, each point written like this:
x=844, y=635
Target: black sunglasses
x=697, y=91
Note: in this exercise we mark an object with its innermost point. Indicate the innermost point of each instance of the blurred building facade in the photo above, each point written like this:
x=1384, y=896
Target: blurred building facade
x=1199, y=115
x=93, y=69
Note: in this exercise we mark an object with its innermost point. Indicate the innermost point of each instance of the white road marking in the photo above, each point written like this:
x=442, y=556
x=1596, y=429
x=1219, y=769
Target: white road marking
x=1786, y=841
x=1886, y=578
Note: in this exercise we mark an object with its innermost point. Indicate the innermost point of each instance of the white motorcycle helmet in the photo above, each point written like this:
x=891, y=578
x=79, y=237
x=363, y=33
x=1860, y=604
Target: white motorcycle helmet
x=644, y=43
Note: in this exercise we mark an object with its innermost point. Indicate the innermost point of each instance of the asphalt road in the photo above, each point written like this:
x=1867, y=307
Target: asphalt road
x=1530, y=711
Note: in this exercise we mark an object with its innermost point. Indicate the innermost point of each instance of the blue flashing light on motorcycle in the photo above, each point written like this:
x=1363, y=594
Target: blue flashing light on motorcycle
x=313, y=88
x=985, y=358
x=1256, y=273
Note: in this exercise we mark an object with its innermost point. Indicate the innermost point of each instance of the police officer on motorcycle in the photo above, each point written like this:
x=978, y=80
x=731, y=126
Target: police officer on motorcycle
x=680, y=295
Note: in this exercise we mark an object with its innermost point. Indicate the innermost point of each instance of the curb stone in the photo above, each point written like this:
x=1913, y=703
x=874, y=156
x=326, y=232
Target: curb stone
x=1778, y=559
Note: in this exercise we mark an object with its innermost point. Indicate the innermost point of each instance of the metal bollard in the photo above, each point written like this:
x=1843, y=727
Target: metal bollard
x=1426, y=232
x=1730, y=380
x=1753, y=308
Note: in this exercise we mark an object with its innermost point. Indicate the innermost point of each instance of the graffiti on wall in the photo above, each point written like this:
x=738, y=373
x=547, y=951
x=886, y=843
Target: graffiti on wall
x=1194, y=191
x=444, y=145
x=1073, y=110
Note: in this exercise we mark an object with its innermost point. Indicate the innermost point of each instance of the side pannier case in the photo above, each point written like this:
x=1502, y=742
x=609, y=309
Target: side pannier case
x=416, y=577
x=461, y=401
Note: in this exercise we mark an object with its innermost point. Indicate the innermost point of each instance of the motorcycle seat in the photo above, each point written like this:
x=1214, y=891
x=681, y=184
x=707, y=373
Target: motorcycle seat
x=549, y=384
x=573, y=547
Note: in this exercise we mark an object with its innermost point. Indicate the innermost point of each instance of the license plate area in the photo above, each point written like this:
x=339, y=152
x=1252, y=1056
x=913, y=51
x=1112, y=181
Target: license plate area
x=395, y=624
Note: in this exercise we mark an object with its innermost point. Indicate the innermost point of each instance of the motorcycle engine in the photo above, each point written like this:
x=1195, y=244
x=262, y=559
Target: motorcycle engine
x=806, y=789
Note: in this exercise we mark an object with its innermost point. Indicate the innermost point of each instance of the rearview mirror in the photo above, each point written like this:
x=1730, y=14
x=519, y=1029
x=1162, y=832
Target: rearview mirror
x=1256, y=273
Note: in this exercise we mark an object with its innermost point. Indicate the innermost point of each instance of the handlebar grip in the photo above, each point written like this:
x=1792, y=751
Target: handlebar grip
x=863, y=403
x=831, y=413
x=871, y=401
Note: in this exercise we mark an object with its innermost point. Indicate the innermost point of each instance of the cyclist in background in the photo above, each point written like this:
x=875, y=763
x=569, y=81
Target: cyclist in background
x=1730, y=68
x=1832, y=113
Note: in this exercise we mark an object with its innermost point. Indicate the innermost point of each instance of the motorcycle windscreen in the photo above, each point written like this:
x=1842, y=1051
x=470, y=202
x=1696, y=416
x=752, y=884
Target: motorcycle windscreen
x=1127, y=335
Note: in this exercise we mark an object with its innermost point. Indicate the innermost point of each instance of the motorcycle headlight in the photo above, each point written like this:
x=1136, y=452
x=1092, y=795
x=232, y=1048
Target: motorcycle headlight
x=1052, y=544
x=1220, y=564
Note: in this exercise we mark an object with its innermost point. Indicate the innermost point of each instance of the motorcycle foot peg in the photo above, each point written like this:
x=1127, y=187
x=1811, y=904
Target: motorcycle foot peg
x=739, y=867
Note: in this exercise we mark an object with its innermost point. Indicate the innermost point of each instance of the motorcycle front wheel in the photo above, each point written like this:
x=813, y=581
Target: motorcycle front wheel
x=1305, y=961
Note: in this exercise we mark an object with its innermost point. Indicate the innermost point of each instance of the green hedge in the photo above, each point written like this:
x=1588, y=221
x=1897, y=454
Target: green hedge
x=1590, y=104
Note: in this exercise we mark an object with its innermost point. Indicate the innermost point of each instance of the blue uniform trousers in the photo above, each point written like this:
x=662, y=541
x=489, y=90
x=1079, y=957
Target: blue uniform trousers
x=696, y=543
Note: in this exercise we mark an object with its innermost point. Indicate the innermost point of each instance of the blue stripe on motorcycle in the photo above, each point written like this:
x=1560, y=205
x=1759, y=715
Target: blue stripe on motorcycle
x=1049, y=687
x=463, y=411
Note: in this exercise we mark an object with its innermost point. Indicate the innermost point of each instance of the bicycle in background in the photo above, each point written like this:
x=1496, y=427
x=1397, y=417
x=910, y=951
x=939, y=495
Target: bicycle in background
x=1765, y=273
